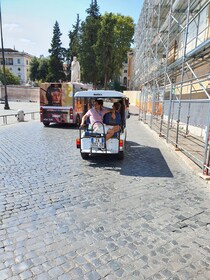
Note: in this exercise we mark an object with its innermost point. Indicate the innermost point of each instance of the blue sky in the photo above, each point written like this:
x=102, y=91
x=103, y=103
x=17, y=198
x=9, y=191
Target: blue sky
x=28, y=24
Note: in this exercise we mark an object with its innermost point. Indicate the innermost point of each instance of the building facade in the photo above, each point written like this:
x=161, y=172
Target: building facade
x=126, y=71
x=171, y=70
x=18, y=63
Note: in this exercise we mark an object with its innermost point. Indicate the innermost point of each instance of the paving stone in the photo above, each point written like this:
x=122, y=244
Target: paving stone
x=146, y=217
x=5, y=273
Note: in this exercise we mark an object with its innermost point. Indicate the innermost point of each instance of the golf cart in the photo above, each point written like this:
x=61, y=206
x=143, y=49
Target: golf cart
x=90, y=142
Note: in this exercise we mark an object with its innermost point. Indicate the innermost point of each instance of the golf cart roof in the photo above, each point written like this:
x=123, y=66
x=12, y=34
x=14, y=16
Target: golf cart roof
x=100, y=94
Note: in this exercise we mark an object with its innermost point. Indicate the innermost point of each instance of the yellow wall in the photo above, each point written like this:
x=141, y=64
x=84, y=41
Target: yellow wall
x=133, y=97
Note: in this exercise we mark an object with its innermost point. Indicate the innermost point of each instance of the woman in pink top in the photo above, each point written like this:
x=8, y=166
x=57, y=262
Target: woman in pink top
x=96, y=115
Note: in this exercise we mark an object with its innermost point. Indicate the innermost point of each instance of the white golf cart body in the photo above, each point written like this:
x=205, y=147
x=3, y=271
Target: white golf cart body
x=91, y=142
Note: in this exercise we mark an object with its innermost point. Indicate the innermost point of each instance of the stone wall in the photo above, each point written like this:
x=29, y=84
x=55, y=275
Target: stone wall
x=20, y=93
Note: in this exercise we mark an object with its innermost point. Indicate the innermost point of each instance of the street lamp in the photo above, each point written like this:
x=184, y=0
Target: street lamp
x=6, y=105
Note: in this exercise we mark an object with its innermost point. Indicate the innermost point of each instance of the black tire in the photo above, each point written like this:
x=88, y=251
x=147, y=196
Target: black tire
x=46, y=123
x=78, y=121
x=121, y=155
x=84, y=155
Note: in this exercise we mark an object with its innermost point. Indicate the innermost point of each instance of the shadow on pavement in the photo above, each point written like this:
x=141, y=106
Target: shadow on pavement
x=139, y=160
x=62, y=126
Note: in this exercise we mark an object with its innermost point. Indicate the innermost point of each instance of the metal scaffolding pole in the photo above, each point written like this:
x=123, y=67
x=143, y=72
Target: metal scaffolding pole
x=183, y=70
x=173, y=39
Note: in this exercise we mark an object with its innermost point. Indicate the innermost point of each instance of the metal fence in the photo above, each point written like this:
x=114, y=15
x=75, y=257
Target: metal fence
x=171, y=68
x=13, y=118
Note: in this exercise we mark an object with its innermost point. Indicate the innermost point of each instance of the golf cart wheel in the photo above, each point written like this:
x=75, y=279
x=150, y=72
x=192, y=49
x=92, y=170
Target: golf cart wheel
x=78, y=121
x=46, y=123
x=85, y=155
x=121, y=155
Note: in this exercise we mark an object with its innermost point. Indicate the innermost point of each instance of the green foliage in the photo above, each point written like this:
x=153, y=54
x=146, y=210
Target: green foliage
x=105, y=41
x=113, y=43
x=74, y=40
x=74, y=45
x=104, y=48
x=43, y=69
x=88, y=38
x=39, y=69
x=124, y=31
x=10, y=78
x=33, y=71
x=100, y=43
x=56, y=72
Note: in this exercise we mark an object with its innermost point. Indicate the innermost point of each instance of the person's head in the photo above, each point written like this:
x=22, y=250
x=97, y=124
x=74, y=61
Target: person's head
x=98, y=104
x=56, y=97
x=116, y=106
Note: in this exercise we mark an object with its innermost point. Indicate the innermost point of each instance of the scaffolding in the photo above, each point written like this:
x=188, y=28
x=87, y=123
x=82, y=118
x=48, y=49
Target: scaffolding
x=171, y=59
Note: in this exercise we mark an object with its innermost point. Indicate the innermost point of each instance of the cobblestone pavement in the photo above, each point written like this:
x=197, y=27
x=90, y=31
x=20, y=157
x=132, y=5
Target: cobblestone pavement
x=146, y=217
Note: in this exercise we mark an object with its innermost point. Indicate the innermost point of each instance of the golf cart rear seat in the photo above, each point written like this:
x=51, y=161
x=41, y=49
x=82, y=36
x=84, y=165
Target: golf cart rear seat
x=90, y=133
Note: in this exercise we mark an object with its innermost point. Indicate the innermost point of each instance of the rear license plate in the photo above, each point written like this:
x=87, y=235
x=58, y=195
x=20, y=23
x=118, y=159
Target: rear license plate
x=97, y=142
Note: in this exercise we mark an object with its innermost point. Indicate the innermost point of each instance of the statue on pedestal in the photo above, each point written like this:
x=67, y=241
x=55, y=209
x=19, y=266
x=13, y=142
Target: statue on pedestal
x=75, y=70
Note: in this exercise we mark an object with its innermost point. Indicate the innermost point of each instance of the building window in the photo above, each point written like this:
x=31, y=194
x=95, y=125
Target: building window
x=125, y=81
x=27, y=62
x=18, y=60
x=8, y=61
x=18, y=69
x=125, y=71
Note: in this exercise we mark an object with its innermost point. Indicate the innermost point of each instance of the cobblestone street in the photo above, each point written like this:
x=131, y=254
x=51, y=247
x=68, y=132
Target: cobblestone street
x=146, y=217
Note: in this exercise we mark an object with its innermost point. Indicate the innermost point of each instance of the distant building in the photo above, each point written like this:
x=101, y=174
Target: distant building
x=17, y=62
x=125, y=75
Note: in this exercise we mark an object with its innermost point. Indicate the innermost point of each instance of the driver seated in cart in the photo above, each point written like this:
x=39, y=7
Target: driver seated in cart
x=96, y=115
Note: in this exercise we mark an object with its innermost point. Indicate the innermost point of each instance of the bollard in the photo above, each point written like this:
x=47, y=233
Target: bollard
x=20, y=115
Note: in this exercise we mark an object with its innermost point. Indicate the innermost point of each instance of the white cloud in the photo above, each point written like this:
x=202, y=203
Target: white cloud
x=12, y=27
x=26, y=41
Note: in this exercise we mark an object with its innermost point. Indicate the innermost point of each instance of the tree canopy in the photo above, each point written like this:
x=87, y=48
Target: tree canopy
x=39, y=69
x=56, y=72
x=105, y=41
x=88, y=39
x=100, y=42
x=10, y=78
x=74, y=45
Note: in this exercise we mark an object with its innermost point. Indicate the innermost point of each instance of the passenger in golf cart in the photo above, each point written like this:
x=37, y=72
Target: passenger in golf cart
x=103, y=120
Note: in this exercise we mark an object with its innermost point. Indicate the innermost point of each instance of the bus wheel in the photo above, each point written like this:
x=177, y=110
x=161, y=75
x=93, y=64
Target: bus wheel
x=84, y=155
x=46, y=123
x=78, y=121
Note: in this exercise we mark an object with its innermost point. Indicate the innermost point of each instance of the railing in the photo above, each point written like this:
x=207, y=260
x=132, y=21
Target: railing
x=10, y=118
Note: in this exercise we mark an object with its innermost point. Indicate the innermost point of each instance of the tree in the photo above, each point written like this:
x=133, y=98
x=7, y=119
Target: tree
x=88, y=38
x=43, y=69
x=123, y=32
x=113, y=42
x=104, y=48
x=33, y=72
x=39, y=69
x=10, y=78
x=74, y=44
x=56, y=72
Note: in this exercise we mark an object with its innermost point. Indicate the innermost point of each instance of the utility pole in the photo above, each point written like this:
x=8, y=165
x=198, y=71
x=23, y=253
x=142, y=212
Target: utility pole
x=6, y=105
